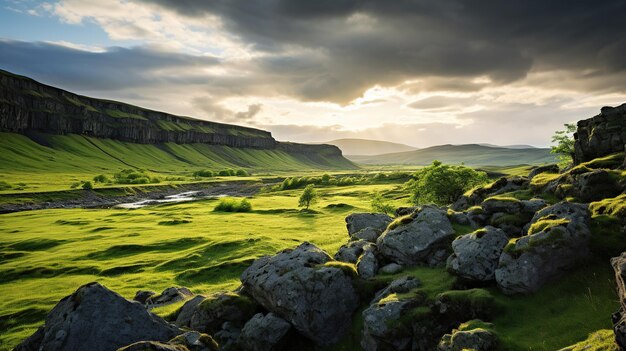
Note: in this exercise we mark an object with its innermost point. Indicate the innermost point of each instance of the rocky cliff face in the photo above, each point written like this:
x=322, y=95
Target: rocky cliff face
x=601, y=135
x=27, y=105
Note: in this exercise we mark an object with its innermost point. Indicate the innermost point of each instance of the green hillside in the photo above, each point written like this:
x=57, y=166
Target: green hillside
x=368, y=147
x=46, y=157
x=470, y=154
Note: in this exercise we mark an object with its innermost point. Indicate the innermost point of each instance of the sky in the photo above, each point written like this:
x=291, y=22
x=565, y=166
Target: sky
x=418, y=72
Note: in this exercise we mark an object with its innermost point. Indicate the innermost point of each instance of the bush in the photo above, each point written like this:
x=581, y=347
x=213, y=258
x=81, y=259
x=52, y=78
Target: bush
x=100, y=179
x=87, y=185
x=443, y=184
x=205, y=173
x=134, y=176
x=233, y=205
x=242, y=173
x=309, y=195
x=380, y=204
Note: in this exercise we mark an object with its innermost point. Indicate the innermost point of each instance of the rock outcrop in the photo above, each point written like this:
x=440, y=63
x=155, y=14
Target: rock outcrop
x=476, y=255
x=301, y=286
x=97, y=319
x=367, y=226
x=422, y=237
x=556, y=241
x=28, y=106
x=619, y=317
x=601, y=135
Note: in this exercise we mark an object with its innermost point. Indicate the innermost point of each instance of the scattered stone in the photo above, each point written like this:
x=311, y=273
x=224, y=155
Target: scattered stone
x=500, y=186
x=391, y=268
x=97, y=319
x=382, y=326
x=551, y=168
x=189, y=341
x=367, y=266
x=168, y=297
x=476, y=255
x=503, y=205
x=428, y=231
x=351, y=251
x=557, y=240
x=367, y=234
x=359, y=221
x=302, y=286
x=210, y=314
x=476, y=340
x=142, y=296
x=398, y=286
x=183, y=317
x=263, y=333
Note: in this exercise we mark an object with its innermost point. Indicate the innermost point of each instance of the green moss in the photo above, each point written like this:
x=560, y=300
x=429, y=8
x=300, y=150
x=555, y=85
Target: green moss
x=615, y=207
x=475, y=324
x=348, y=268
x=503, y=198
x=476, y=209
x=547, y=222
x=473, y=301
x=400, y=221
x=601, y=340
x=461, y=229
x=607, y=237
x=541, y=180
x=517, y=220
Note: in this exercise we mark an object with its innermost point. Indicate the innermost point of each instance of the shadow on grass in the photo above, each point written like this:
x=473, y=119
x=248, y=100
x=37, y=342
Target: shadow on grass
x=117, y=251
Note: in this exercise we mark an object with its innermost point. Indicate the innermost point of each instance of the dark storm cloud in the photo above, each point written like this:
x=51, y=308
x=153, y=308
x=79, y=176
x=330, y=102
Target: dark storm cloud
x=115, y=68
x=359, y=43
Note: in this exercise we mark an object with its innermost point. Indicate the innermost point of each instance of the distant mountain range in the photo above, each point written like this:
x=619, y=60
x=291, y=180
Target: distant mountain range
x=469, y=154
x=368, y=147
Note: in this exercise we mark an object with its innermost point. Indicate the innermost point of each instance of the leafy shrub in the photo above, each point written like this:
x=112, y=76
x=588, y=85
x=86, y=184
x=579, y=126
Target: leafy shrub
x=134, y=176
x=205, y=173
x=100, y=179
x=242, y=173
x=443, y=184
x=87, y=185
x=564, y=148
x=380, y=204
x=233, y=205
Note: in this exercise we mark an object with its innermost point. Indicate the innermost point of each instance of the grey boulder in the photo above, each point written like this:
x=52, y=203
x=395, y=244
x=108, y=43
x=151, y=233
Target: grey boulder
x=183, y=317
x=97, y=319
x=168, y=296
x=351, y=251
x=557, y=240
x=367, y=265
x=475, y=339
x=359, y=221
x=263, y=333
x=415, y=239
x=476, y=255
x=299, y=286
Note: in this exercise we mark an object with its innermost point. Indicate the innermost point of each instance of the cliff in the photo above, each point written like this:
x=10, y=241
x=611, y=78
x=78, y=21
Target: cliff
x=601, y=135
x=29, y=106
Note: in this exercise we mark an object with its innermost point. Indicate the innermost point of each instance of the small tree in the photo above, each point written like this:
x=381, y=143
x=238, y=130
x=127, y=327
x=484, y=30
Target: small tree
x=87, y=185
x=564, y=148
x=309, y=195
x=325, y=178
x=443, y=184
x=380, y=204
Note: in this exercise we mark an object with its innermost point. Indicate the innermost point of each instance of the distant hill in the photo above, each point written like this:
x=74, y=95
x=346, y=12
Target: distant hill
x=469, y=154
x=50, y=121
x=368, y=147
x=522, y=146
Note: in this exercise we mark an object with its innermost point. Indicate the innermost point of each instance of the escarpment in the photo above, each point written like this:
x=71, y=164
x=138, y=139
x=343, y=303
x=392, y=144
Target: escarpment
x=29, y=106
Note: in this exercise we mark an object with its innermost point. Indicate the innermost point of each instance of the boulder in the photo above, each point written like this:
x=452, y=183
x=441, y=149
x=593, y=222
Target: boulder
x=557, y=239
x=228, y=335
x=398, y=286
x=359, y=221
x=596, y=185
x=404, y=211
x=415, y=239
x=383, y=328
x=184, y=314
x=351, y=251
x=367, y=266
x=303, y=287
x=601, y=135
x=211, y=313
x=619, y=317
x=391, y=268
x=502, y=204
x=478, y=195
x=367, y=234
x=189, y=341
x=551, y=168
x=263, y=333
x=168, y=297
x=97, y=319
x=477, y=340
x=142, y=296
x=533, y=205
x=476, y=255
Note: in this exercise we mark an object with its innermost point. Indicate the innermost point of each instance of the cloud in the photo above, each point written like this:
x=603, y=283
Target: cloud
x=350, y=45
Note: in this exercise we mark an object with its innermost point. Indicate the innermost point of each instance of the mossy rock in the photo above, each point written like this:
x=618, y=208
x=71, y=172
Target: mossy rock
x=546, y=223
x=463, y=304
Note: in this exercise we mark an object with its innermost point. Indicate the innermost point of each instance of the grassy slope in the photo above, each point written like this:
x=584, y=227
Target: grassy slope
x=471, y=155
x=69, y=158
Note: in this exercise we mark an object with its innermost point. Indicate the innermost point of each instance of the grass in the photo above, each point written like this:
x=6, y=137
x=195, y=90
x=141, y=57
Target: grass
x=49, y=253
